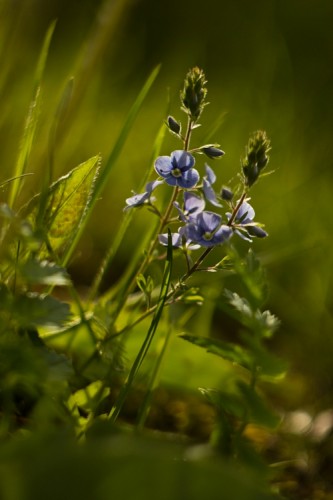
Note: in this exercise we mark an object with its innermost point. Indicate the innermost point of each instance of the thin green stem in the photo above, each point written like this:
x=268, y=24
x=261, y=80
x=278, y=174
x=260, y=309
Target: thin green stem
x=128, y=288
x=146, y=404
x=187, y=137
x=170, y=294
x=115, y=411
x=237, y=207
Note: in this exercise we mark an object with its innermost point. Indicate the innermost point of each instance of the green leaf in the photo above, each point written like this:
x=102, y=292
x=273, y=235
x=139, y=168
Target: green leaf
x=44, y=273
x=33, y=310
x=61, y=215
x=226, y=350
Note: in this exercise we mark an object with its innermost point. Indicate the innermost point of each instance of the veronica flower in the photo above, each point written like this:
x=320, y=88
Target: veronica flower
x=207, y=230
x=177, y=170
x=140, y=199
x=193, y=205
x=208, y=190
x=245, y=223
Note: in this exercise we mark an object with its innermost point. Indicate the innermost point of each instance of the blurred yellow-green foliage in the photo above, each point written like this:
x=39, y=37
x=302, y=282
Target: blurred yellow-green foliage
x=269, y=65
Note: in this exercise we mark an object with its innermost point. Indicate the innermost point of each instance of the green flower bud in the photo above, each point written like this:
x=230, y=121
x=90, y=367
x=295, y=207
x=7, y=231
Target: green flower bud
x=256, y=157
x=194, y=93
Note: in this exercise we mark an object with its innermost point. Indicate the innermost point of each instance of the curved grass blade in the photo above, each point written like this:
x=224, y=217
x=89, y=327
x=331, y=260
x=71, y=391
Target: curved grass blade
x=105, y=173
x=127, y=218
x=150, y=334
x=31, y=121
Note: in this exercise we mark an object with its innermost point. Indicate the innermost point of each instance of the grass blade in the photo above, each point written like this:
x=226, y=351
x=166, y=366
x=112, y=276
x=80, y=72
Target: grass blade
x=105, y=173
x=31, y=121
x=149, y=337
x=127, y=219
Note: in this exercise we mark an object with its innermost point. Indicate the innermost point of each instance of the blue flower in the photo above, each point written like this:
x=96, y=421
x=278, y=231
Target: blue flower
x=207, y=230
x=193, y=205
x=244, y=225
x=208, y=190
x=140, y=199
x=177, y=169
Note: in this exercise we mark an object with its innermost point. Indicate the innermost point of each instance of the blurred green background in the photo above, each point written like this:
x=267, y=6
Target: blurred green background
x=269, y=65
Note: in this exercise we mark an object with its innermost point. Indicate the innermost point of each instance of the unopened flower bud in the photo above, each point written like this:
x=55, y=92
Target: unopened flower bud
x=226, y=194
x=173, y=125
x=213, y=152
x=256, y=231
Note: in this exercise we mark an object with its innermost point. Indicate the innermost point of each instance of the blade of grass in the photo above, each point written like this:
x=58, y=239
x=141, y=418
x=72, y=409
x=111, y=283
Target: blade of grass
x=153, y=381
x=105, y=173
x=31, y=120
x=128, y=216
x=150, y=334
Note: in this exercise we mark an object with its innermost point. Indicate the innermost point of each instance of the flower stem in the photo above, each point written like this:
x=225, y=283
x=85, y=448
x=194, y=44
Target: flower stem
x=129, y=286
x=171, y=293
x=146, y=404
x=188, y=134
x=235, y=210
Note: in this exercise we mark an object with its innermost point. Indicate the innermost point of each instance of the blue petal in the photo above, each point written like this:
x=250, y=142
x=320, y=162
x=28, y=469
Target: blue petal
x=152, y=185
x=180, y=211
x=210, y=174
x=245, y=213
x=163, y=166
x=136, y=200
x=171, y=180
x=193, y=204
x=182, y=160
x=210, y=193
x=192, y=232
x=189, y=179
x=176, y=239
x=222, y=234
x=208, y=221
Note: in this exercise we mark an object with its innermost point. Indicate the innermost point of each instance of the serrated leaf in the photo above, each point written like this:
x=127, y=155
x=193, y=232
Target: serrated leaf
x=66, y=203
x=228, y=351
x=44, y=273
x=33, y=310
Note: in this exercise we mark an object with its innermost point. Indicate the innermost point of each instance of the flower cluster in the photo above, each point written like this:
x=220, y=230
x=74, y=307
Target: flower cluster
x=199, y=227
